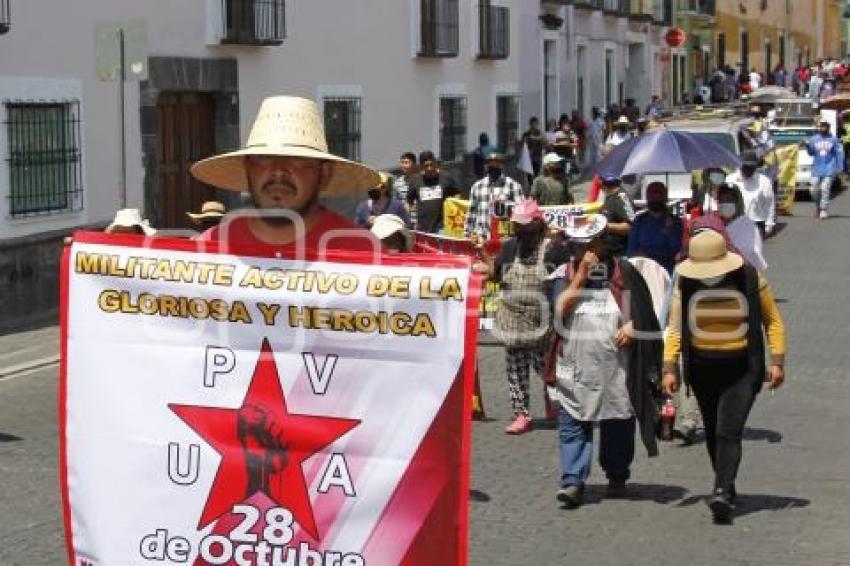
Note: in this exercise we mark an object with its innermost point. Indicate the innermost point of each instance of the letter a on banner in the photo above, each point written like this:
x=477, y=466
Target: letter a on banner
x=200, y=436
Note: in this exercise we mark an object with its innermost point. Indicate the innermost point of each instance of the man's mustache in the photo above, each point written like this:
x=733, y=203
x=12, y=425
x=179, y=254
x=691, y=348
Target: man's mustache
x=285, y=184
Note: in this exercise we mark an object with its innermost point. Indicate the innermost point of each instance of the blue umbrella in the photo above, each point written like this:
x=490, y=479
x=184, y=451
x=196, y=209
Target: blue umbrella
x=665, y=151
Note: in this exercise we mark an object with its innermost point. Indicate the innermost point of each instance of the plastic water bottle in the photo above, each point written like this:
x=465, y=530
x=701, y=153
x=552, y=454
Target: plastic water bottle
x=668, y=418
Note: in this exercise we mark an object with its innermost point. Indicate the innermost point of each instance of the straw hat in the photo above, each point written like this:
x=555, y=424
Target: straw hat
x=386, y=225
x=286, y=126
x=709, y=257
x=623, y=121
x=130, y=218
x=209, y=210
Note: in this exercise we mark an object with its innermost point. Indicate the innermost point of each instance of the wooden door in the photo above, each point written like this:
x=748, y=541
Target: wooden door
x=186, y=135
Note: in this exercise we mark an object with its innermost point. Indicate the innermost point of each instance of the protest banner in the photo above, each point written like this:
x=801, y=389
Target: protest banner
x=238, y=409
x=455, y=209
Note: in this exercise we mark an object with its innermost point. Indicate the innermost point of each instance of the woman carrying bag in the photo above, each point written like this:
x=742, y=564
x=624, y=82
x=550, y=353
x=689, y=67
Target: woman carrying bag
x=523, y=319
x=719, y=309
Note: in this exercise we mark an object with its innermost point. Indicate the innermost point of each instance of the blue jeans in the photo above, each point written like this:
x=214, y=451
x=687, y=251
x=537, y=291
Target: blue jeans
x=821, y=187
x=616, y=448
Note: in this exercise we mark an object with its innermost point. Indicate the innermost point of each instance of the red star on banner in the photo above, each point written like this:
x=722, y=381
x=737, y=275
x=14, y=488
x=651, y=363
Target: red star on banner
x=262, y=446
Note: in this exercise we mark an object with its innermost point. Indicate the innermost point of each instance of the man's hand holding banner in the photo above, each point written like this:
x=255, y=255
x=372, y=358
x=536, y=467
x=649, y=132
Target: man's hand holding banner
x=234, y=409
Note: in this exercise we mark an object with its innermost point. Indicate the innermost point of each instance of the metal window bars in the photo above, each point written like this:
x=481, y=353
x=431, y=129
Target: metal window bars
x=253, y=22
x=45, y=161
x=494, y=31
x=507, y=122
x=439, y=28
x=452, y=128
x=342, y=126
x=699, y=7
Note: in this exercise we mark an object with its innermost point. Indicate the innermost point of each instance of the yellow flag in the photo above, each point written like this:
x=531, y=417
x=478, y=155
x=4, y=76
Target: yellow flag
x=786, y=158
x=454, y=216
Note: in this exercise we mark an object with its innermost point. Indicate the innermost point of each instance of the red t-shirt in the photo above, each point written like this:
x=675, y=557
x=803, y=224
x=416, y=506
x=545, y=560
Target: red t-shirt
x=353, y=238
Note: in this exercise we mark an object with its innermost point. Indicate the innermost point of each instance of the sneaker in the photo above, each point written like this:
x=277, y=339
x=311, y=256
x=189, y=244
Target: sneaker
x=688, y=436
x=721, y=507
x=823, y=215
x=572, y=496
x=616, y=489
x=521, y=424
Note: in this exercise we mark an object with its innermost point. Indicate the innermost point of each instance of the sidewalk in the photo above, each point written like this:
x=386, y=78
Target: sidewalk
x=23, y=351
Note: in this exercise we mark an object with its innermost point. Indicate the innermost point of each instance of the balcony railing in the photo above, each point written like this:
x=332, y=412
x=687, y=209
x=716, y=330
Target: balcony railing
x=662, y=12
x=617, y=7
x=253, y=22
x=5, y=16
x=439, y=28
x=641, y=10
x=494, y=31
x=698, y=7
x=587, y=4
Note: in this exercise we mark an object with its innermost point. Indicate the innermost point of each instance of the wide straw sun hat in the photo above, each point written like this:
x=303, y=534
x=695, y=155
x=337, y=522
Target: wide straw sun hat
x=709, y=257
x=209, y=210
x=286, y=126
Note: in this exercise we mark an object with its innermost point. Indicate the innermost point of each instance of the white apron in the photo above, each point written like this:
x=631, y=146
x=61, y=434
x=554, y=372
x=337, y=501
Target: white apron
x=590, y=377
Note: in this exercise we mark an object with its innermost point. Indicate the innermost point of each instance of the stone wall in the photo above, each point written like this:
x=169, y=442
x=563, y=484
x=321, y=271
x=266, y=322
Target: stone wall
x=29, y=280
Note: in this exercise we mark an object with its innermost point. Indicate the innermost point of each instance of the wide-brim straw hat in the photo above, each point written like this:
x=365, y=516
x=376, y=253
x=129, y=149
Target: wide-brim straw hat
x=286, y=126
x=709, y=257
x=210, y=210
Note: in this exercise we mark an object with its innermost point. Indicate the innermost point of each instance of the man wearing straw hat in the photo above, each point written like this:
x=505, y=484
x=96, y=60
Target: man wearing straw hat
x=210, y=215
x=285, y=165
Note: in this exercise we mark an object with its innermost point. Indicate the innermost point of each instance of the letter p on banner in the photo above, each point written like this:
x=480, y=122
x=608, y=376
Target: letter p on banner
x=190, y=435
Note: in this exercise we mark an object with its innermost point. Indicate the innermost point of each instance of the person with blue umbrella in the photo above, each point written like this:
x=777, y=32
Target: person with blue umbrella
x=666, y=151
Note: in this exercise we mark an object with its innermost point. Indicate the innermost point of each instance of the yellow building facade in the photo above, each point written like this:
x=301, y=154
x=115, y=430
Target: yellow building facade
x=756, y=34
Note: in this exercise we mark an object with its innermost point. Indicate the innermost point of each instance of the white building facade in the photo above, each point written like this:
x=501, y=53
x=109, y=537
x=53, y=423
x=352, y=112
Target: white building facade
x=581, y=54
x=389, y=75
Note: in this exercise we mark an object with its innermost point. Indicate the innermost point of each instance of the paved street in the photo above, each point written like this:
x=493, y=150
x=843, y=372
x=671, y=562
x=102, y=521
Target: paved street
x=795, y=480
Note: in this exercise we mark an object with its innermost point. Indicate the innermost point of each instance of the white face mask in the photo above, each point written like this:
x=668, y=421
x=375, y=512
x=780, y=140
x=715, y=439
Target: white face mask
x=716, y=178
x=727, y=210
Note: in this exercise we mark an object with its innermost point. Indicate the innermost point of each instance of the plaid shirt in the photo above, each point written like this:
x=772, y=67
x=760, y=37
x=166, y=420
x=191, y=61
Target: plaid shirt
x=481, y=198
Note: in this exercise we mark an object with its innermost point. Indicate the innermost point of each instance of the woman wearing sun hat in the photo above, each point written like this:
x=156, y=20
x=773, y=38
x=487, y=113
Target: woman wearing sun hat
x=522, y=321
x=719, y=309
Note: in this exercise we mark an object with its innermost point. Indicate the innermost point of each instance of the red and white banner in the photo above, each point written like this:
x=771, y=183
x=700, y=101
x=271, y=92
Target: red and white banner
x=236, y=409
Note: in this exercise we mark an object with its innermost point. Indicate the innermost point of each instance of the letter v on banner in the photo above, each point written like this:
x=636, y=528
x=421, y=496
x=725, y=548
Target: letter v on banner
x=256, y=438
x=319, y=379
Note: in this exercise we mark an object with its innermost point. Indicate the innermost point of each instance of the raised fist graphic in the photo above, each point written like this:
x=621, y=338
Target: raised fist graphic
x=264, y=446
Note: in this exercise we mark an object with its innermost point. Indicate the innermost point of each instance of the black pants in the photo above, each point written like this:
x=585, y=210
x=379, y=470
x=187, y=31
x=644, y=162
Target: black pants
x=725, y=392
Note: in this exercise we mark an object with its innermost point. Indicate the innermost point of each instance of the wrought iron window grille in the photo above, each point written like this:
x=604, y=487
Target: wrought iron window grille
x=342, y=126
x=253, y=22
x=45, y=159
